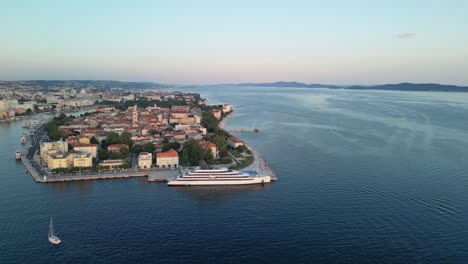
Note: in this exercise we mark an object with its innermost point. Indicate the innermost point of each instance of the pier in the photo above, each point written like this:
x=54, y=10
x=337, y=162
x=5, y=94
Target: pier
x=152, y=175
x=245, y=130
x=260, y=165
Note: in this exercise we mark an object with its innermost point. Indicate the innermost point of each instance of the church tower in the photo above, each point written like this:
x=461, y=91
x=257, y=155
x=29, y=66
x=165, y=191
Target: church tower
x=135, y=114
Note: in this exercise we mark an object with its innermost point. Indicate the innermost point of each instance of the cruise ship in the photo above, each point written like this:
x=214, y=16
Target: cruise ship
x=221, y=176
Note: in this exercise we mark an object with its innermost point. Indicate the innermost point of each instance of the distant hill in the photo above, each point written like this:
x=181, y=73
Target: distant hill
x=394, y=87
x=107, y=84
x=289, y=84
x=413, y=87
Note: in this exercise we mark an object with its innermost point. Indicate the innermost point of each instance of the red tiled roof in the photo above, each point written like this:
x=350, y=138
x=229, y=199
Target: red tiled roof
x=170, y=153
x=75, y=145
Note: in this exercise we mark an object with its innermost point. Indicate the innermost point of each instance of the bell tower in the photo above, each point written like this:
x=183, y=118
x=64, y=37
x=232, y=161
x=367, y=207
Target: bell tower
x=135, y=114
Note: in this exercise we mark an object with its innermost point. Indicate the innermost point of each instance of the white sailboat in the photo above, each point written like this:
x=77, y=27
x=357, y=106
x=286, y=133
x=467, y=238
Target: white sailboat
x=52, y=237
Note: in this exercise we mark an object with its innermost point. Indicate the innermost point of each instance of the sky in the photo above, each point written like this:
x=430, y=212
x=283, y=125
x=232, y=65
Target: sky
x=220, y=41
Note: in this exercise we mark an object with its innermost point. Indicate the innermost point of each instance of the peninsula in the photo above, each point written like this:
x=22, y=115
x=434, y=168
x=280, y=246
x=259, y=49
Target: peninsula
x=122, y=134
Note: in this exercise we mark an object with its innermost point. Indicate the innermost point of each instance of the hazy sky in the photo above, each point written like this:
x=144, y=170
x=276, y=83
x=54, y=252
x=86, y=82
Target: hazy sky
x=342, y=42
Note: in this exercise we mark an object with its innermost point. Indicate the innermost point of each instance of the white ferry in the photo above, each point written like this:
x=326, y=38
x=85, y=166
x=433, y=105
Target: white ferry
x=18, y=155
x=221, y=176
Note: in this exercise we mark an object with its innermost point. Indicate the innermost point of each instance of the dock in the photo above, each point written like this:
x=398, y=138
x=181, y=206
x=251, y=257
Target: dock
x=152, y=175
x=256, y=130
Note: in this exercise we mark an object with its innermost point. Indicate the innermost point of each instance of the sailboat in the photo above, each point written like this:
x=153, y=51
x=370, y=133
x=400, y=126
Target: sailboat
x=52, y=237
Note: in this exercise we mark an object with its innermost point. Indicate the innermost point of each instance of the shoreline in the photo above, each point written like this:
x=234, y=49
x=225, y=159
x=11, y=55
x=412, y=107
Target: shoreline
x=259, y=164
x=223, y=122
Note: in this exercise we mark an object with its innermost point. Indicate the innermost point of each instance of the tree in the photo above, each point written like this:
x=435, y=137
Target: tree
x=137, y=149
x=154, y=132
x=124, y=153
x=94, y=140
x=149, y=147
x=103, y=154
x=220, y=141
x=240, y=149
x=194, y=152
x=223, y=153
x=104, y=144
x=171, y=145
x=208, y=156
x=126, y=138
x=112, y=138
x=210, y=122
x=53, y=131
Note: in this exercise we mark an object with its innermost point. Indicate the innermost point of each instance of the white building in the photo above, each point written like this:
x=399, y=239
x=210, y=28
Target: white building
x=226, y=108
x=59, y=146
x=86, y=148
x=145, y=160
x=168, y=159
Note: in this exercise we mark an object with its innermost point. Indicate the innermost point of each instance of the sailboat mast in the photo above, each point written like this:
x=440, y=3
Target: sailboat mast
x=51, y=228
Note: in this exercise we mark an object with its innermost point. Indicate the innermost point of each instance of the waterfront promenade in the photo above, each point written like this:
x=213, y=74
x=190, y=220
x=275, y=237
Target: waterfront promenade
x=32, y=163
x=152, y=175
x=259, y=164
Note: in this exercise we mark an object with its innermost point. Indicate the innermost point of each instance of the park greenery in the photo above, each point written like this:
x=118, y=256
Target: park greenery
x=52, y=128
x=194, y=153
x=170, y=145
x=71, y=170
x=114, y=138
x=148, y=147
x=244, y=163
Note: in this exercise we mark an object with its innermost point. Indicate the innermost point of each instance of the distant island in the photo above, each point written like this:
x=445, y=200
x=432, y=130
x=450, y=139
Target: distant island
x=47, y=85
x=395, y=87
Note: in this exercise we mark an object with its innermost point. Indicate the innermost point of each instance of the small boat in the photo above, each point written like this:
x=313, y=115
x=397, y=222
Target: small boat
x=18, y=155
x=26, y=125
x=23, y=139
x=52, y=237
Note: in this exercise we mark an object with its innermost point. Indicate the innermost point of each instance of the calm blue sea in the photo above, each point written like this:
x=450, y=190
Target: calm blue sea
x=364, y=177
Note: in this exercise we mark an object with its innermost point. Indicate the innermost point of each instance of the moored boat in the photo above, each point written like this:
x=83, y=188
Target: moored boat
x=23, y=140
x=18, y=155
x=221, y=176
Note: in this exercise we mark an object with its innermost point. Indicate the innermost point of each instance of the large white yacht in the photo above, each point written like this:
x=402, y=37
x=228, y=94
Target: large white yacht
x=221, y=176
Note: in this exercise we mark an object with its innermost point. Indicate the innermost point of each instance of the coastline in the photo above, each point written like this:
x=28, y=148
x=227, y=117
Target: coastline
x=259, y=164
x=225, y=119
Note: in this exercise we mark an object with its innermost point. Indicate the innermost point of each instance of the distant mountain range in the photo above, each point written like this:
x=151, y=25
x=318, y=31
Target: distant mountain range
x=77, y=84
x=108, y=84
x=395, y=87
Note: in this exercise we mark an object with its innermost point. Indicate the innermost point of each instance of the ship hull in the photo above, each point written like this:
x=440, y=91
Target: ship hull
x=218, y=181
